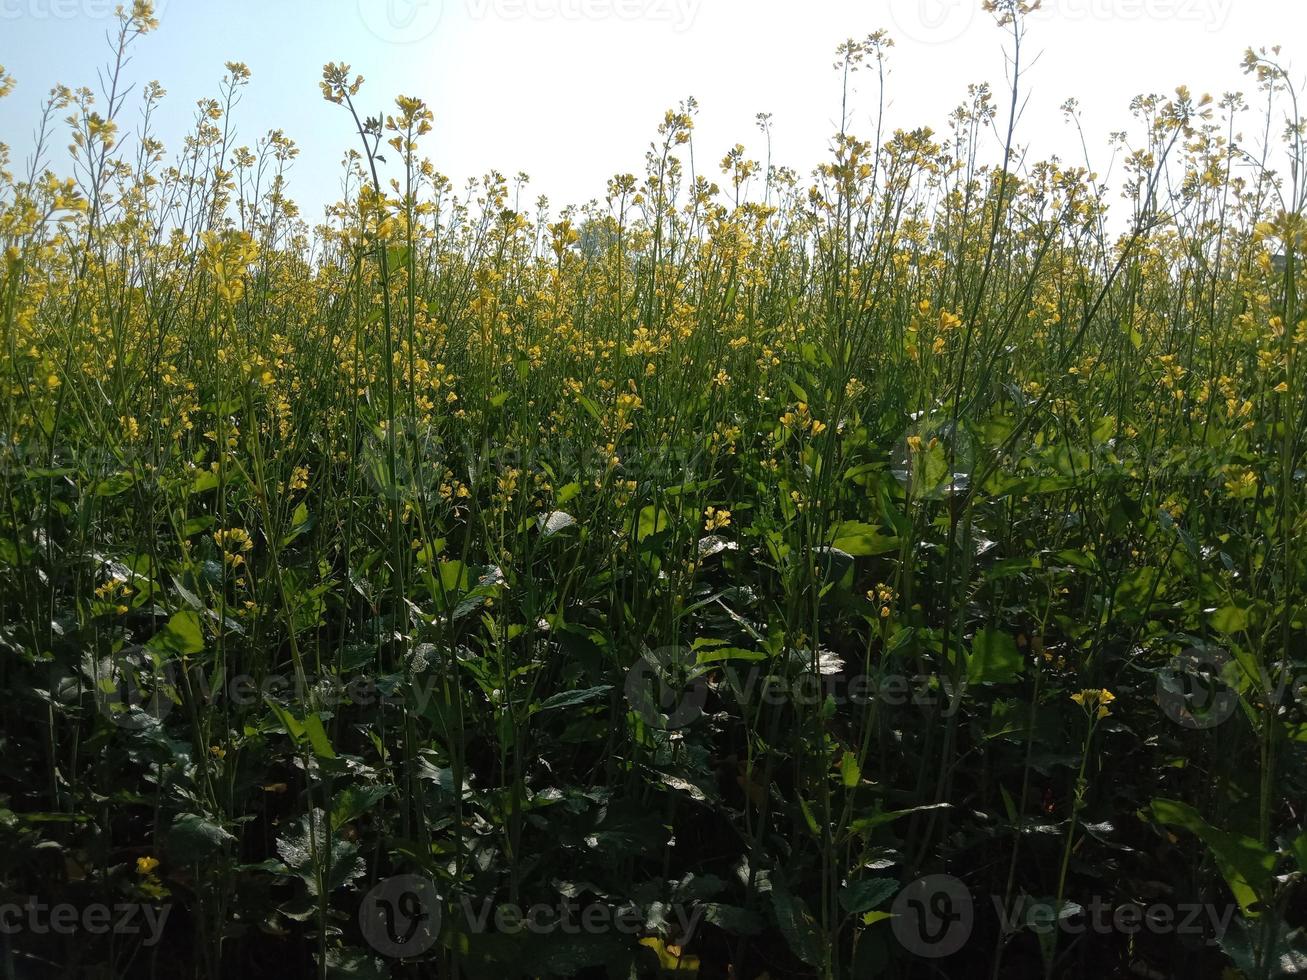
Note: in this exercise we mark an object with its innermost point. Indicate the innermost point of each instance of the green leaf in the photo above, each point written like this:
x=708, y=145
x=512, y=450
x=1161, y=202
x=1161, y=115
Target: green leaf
x=813, y=827
x=1299, y=849
x=733, y=919
x=1009, y=805
x=591, y=408
x=180, y=637
x=204, y=480
x=570, y=699
x=652, y=519
x=867, y=824
x=1230, y=619
x=729, y=653
x=994, y=658
x=669, y=961
x=865, y=895
x=192, y=838
x=1248, y=867
x=850, y=773
x=347, y=964
x=318, y=857
x=293, y=726
x=454, y=577
x=796, y=923
x=301, y=522
x=353, y=801
x=112, y=486
x=317, y=736
x=863, y=540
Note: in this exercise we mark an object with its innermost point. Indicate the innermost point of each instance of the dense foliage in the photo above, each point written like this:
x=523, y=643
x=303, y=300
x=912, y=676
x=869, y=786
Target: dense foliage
x=741, y=546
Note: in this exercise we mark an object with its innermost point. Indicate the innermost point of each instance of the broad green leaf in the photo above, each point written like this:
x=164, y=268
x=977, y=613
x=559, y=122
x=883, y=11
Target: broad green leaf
x=192, y=838
x=352, y=802
x=317, y=736
x=314, y=853
x=671, y=959
x=653, y=519
x=862, y=896
x=994, y=658
x=180, y=637
x=1248, y=867
x=796, y=923
x=1230, y=619
x=863, y=540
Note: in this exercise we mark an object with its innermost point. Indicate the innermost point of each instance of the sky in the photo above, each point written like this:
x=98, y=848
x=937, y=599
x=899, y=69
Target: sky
x=572, y=91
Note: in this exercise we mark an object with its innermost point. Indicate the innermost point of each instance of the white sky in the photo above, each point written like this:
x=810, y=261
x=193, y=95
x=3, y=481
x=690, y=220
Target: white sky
x=571, y=91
